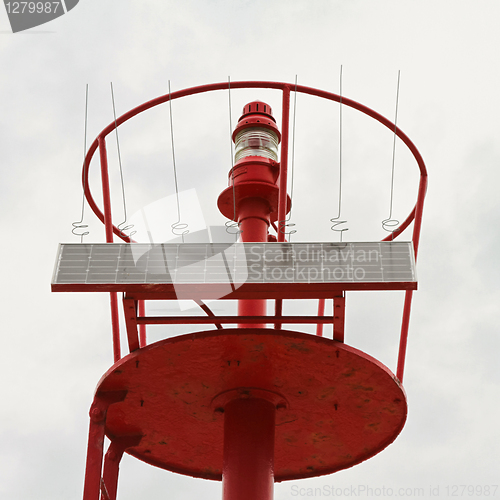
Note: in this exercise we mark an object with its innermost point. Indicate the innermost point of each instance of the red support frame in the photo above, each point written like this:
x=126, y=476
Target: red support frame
x=116, y=449
x=253, y=320
x=321, y=312
x=95, y=449
x=249, y=424
x=339, y=317
x=142, y=328
x=130, y=311
x=286, y=88
x=285, y=123
x=95, y=452
x=108, y=225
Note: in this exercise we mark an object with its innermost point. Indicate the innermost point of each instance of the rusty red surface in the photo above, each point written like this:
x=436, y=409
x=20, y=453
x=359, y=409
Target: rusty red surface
x=342, y=406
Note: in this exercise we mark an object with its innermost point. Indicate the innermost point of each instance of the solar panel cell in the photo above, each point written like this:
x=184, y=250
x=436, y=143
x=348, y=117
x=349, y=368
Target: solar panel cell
x=241, y=263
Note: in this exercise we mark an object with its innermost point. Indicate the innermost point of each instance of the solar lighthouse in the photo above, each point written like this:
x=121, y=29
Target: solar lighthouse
x=258, y=403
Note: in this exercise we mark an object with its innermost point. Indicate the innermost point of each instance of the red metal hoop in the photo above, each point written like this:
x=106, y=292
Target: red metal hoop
x=286, y=88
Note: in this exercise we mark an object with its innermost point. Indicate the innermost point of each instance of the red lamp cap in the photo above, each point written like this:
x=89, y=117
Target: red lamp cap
x=257, y=107
x=257, y=114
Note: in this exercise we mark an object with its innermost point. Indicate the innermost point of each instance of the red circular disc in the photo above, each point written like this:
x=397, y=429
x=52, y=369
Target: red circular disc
x=343, y=406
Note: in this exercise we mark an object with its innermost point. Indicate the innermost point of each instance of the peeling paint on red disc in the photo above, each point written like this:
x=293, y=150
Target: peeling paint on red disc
x=343, y=405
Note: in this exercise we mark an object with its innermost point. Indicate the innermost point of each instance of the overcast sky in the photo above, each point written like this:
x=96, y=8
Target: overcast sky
x=57, y=346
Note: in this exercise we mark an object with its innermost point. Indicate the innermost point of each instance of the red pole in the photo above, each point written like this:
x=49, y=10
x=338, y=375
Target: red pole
x=283, y=164
x=112, y=469
x=321, y=312
x=142, y=328
x=409, y=293
x=95, y=453
x=112, y=464
x=115, y=321
x=108, y=225
x=404, y=335
x=253, y=223
x=249, y=423
x=248, y=469
x=285, y=119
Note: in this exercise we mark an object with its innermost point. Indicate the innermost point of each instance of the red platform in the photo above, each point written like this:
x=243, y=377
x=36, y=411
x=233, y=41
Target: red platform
x=336, y=406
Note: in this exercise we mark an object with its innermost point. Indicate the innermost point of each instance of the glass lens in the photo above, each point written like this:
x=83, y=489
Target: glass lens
x=256, y=141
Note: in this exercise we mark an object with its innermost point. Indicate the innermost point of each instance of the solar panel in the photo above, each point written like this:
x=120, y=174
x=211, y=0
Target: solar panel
x=351, y=265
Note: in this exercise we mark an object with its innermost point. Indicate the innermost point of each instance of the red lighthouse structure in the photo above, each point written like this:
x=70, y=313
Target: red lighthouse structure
x=252, y=196
x=254, y=404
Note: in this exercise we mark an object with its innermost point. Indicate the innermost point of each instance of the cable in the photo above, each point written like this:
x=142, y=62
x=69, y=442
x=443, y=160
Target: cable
x=178, y=228
x=130, y=226
x=391, y=224
x=79, y=225
x=337, y=221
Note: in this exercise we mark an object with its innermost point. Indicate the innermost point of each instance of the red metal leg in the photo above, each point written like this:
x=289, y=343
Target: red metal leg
x=92, y=485
x=95, y=451
x=111, y=468
x=283, y=164
x=321, y=312
x=142, y=328
x=339, y=317
x=283, y=180
x=115, y=325
x=278, y=312
x=404, y=335
x=130, y=311
x=112, y=463
x=248, y=470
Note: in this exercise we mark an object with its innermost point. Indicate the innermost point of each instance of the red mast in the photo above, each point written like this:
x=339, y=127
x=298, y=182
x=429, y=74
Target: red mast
x=252, y=200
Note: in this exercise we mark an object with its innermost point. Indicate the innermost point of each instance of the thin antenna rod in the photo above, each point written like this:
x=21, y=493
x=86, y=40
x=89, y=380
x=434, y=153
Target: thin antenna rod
x=176, y=226
x=230, y=121
x=130, y=226
x=286, y=223
x=340, y=146
x=390, y=224
x=79, y=225
x=336, y=220
x=394, y=142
